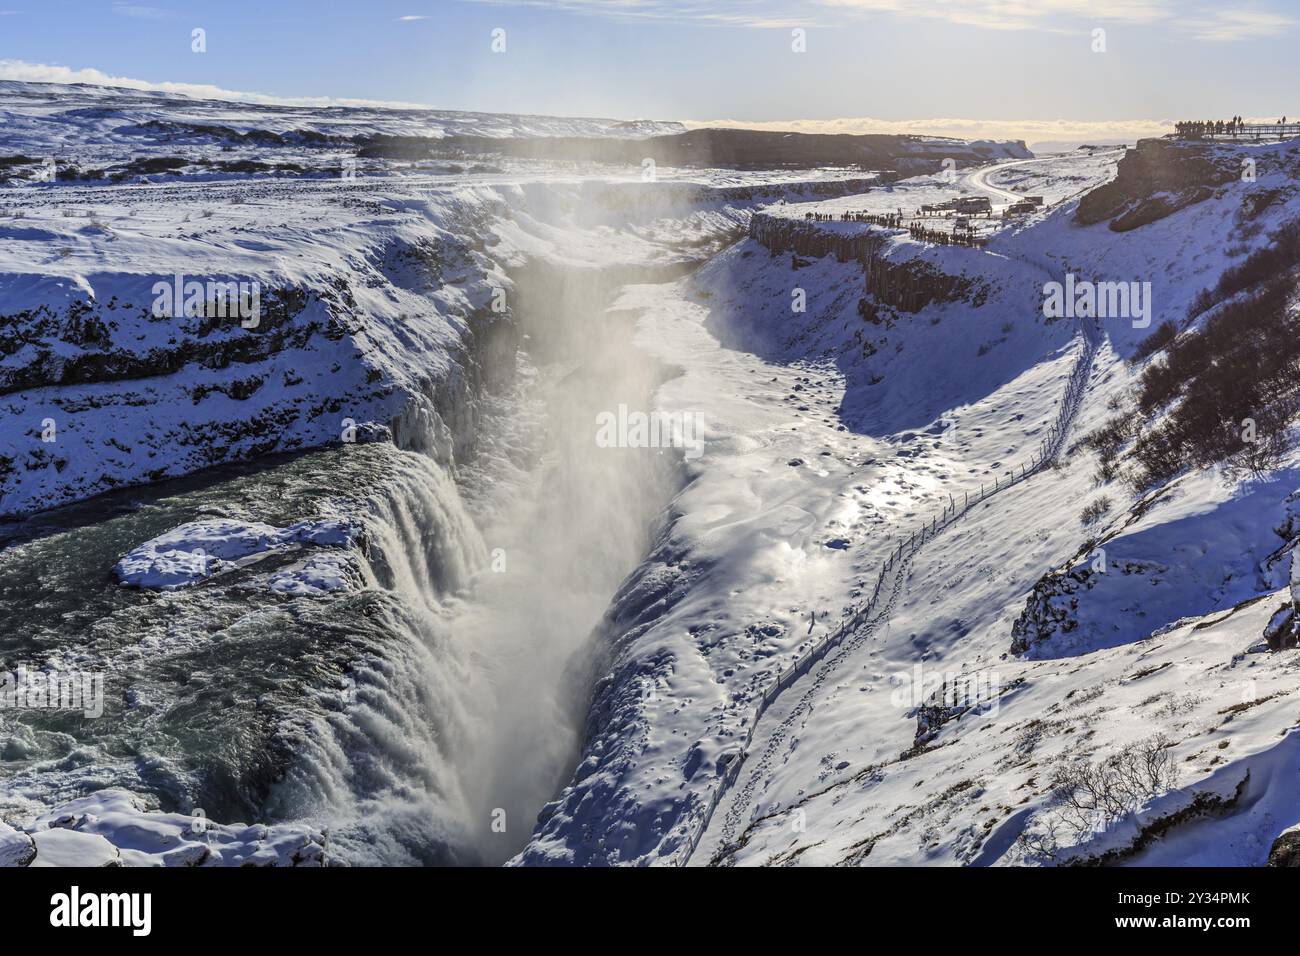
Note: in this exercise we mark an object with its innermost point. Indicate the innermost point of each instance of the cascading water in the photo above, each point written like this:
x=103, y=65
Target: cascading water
x=569, y=537
x=383, y=771
x=465, y=723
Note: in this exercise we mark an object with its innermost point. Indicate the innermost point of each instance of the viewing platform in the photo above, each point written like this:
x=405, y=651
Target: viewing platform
x=1226, y=130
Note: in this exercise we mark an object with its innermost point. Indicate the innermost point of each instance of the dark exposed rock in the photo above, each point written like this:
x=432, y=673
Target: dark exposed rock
x=168, y=130
x=1286, y=849
x=1203, y=804
x=1280, y=633
x=1155, y=179
x=736, y=148
x=89, y=326
x=781, y=235
x=913, y=284
x=908, y=285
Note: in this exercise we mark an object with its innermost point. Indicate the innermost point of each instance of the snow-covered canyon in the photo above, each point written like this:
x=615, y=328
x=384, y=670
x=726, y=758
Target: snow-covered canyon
x=928, y=735
x=363, y=572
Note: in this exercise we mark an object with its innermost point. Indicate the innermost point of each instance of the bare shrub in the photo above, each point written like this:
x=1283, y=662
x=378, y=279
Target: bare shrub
x=1101, y=794
x=1094, y=510
x=1259, y=267
x=1244, y=364
x=1157, y=341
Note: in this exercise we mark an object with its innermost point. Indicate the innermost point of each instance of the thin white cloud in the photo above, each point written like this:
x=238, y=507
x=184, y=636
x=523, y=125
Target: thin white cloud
x=1202, y=19
x=762, y=14
x=1052, y=15
x=140, y=11
x=410, y=17
x=49, y=73
x=1228, y=25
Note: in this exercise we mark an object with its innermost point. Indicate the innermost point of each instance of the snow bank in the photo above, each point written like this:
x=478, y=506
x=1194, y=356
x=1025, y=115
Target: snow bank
x=201, y=549
x=316, y=574
x=113, y=828
x=16, y=848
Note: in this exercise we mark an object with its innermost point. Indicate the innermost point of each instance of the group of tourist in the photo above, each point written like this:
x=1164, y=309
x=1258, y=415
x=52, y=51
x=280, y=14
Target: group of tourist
x=892, y=220
x=958, y=237
x=1198, y=129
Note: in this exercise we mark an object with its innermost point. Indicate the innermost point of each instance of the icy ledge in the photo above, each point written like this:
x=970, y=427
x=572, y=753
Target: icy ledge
x=113, y=828
x=200, y=549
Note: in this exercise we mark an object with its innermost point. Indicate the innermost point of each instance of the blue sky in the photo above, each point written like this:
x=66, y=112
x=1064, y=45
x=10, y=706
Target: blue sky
x=1005, y=65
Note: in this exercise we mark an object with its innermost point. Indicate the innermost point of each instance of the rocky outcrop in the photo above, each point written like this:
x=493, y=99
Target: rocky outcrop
x=1286, y=849
x=910, y=285
x=16, y=847
x=1280, y=632
x=102, y=391
x=1050, y=623
x=1295, y=578
x=781, y=234
x=88, y=341
x=1283, y=629
x=1157, y=178
x=1049, y=609
x=906, y=284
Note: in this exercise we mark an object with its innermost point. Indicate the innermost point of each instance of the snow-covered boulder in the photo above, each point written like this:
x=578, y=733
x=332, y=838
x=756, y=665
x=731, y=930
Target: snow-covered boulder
x=316, y=574
x=200, y=549
x=16, y=849
x=1281, y=630
x=113, y=828
x=59, y=847
x=1286, y=848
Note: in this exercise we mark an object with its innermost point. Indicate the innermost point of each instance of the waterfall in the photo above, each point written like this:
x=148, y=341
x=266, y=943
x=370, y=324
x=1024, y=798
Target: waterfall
x=381, y=765
x=421, y=541
x=470, y=687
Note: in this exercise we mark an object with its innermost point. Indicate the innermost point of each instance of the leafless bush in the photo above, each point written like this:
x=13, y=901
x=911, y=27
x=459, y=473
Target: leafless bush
x=1094, y=510
x=1107, y=440
x=1104, y=793
x=1240, y=368
x=1043, y=842
x=1157, y=341
x=1263, y=265
x=1177, y=705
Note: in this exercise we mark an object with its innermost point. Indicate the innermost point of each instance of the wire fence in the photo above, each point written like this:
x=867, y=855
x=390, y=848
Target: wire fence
x=893, y=565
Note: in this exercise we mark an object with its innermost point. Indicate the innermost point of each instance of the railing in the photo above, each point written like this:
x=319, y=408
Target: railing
x=1253, y=132
x=1051, y=447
